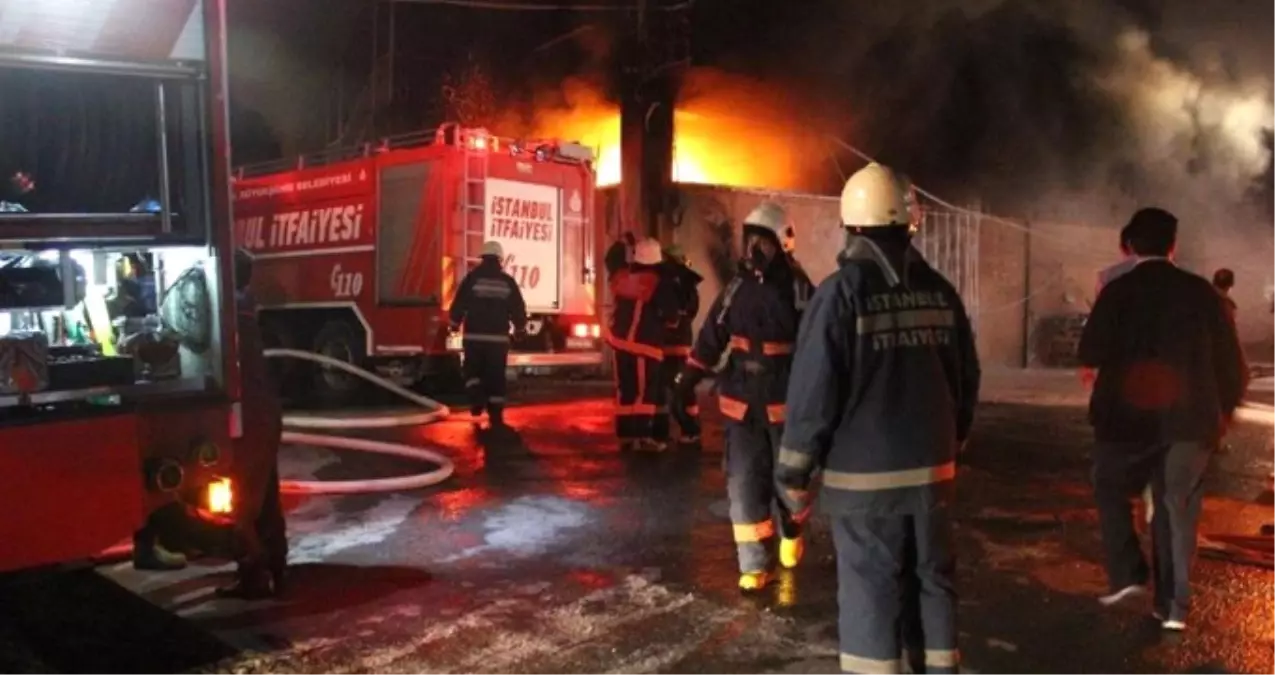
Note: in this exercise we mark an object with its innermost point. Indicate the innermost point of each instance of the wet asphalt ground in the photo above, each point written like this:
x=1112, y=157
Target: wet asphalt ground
x=555, y=553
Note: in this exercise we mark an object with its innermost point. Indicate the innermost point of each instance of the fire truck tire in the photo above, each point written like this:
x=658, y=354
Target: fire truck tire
x=338, y=339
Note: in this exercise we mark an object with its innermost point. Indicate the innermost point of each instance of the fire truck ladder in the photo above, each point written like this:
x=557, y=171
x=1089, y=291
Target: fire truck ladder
x=473, y=203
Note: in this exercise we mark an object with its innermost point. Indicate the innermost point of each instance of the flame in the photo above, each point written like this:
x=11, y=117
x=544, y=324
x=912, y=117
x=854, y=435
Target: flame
x=727, y=131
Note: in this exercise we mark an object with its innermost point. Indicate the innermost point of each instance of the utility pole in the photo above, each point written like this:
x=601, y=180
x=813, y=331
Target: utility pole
x=651, y=70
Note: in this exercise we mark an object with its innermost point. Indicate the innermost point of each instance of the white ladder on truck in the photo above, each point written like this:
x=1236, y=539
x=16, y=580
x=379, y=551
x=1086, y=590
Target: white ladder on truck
x=473, y=203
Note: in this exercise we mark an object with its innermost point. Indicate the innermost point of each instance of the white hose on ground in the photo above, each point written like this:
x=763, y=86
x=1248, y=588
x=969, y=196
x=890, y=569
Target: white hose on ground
x=1258, y=413
x=436, y=411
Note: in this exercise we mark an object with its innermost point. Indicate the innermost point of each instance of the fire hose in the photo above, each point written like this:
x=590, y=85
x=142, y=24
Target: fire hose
x=434, y=412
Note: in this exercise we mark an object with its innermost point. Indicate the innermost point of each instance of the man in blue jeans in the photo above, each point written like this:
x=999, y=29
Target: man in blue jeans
x=1170, y=374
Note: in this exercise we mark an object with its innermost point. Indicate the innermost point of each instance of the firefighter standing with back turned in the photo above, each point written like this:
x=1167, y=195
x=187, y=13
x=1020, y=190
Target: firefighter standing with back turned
x=677, y=347
x=881, y=398
x=644, y=305
x=756, y=318
x=487, y=302
x=259, y=523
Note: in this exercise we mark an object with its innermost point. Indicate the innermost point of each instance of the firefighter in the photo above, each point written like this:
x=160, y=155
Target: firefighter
x=678, y=341
x=644, y=304
x=755, y=320
x=881, y=398
x=260, y=527
x=488, y=302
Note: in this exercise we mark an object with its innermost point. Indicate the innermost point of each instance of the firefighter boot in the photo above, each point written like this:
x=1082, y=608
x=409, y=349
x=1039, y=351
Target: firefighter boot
x=148, y=554
x=754, y=581
x=791, y=551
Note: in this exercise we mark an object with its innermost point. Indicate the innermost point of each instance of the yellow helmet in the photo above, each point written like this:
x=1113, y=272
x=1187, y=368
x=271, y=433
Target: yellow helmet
x=876, y=197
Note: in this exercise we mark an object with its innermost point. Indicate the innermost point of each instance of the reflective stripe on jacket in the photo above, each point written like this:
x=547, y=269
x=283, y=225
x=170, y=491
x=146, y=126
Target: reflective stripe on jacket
x=883, y=388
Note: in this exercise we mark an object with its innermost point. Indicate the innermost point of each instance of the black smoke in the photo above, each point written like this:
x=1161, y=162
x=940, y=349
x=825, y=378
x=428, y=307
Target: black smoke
x=1006, y=100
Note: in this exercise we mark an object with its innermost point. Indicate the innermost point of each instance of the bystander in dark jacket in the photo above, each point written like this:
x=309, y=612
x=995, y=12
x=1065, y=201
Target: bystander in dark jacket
x=1170, y=376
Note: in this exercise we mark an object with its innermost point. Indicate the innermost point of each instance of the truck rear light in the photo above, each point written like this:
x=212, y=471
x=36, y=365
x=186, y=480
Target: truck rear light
x=220, y=496
x=580, y=330
x=595, y=331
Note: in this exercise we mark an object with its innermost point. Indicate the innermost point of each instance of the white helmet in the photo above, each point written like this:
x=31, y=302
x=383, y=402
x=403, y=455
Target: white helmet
x=648, y=252
x=493, y=248
x=876, y=197
x=772, y=217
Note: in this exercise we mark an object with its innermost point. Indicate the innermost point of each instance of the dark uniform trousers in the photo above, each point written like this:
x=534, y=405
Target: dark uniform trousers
x=886, y=611
x=485, y=362
x=262, y=529
x=687, y=419
x=641, y=396
x=1176, y=474
x=752, y=443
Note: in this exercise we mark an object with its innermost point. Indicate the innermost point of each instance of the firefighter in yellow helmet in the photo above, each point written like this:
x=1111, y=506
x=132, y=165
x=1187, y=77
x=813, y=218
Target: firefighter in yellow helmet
x=755, y=318
x=881, y=397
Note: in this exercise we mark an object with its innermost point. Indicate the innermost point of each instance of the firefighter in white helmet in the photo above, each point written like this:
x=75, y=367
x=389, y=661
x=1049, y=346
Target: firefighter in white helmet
x=755, y=318
x=487, y=304
x=645, y=305
x=882, y=396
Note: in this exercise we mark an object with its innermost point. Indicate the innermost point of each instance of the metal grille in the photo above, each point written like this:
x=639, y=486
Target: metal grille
x=949, y=241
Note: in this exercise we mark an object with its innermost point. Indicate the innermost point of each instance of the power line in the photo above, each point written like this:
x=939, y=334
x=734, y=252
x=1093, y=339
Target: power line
x=537, y=7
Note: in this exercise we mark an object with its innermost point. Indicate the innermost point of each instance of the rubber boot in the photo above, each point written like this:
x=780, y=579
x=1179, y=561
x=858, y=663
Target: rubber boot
x=148, y=554
x=791, y=551
x=754, y=581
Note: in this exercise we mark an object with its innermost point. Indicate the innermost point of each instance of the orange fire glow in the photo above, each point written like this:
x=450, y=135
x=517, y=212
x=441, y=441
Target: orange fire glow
x=727, y=131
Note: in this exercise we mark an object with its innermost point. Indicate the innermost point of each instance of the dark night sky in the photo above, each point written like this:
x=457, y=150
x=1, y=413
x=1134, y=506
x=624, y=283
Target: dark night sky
x=979, y=97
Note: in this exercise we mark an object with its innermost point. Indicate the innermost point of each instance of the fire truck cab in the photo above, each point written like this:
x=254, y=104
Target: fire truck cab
x=359, y=251
x=118, y=365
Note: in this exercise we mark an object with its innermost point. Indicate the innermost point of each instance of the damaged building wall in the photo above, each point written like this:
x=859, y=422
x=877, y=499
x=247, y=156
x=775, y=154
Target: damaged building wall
x=1034, y=281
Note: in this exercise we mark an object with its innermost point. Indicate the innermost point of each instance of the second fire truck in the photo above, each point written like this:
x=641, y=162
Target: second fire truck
x=360, y=251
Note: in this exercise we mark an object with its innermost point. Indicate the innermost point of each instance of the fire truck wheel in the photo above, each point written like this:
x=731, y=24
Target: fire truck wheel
x=338, y=339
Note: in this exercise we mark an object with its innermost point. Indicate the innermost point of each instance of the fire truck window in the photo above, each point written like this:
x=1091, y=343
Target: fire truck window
x=72, y=143
x=408, y=243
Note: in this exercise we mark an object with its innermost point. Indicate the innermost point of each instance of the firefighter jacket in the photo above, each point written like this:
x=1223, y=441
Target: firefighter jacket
x=883, y=387
x=644, y=305
x=755, y=319
x=681, y=335
x=487, y=303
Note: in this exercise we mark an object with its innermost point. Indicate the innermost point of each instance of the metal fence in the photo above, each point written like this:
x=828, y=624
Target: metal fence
x=949, y=240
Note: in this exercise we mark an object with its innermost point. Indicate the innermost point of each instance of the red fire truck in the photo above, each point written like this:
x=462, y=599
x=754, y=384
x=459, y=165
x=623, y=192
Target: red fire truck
x=360, y=251
x=118, y=370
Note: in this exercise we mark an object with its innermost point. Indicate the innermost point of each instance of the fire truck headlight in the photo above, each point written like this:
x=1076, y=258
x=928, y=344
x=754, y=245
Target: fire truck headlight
x=220, y=496
x=595, y=331
x=580, y=330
